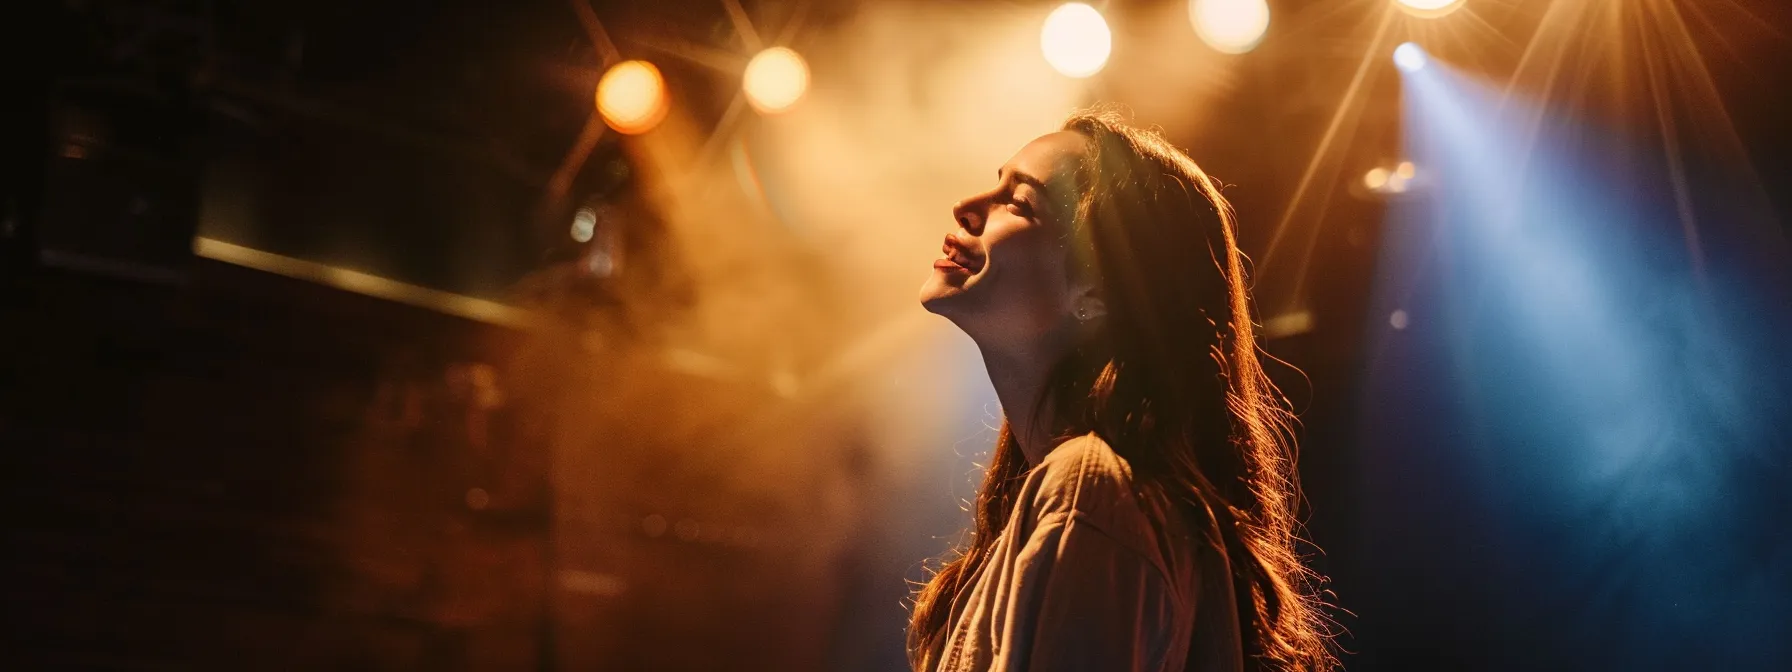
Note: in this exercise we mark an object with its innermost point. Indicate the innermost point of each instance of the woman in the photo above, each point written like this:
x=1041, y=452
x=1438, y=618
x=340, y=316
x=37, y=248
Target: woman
x=1138, y=513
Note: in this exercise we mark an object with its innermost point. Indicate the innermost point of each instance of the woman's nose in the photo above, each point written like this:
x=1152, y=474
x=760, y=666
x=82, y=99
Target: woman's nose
x=968, y=218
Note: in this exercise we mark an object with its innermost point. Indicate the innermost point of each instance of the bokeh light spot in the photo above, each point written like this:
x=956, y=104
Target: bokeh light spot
x=654, y=525
x=1376, y=178
x=478, y=499
x=632, y=97
x=1410, y=57
x=775, y=80
x=584, y=224
x=1230, y=26
x=1075, y=40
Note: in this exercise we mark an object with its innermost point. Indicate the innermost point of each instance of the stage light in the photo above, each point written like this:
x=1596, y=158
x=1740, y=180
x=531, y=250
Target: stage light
x=1230, y=26
x=1429, y=9
x=1410, y=57
x=775, y=80
x=1075, y=40
x=1398, y=320
x=584, y=224
x=632, y=97
x=1406, y=170
x=1375, y=179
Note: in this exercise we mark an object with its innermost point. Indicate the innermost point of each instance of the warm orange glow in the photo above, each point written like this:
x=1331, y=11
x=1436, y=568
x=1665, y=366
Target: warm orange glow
x=632, y=97
x=1429, y=8
x=775, y=80
x=1406, y=170
x=1230, y=26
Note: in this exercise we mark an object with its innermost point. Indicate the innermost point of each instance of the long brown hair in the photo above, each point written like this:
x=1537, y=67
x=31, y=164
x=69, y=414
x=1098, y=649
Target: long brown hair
x=1172, y=382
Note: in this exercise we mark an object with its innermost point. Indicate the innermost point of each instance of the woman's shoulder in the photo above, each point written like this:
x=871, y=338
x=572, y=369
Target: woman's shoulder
x=1085, y=475
x=1086, y=483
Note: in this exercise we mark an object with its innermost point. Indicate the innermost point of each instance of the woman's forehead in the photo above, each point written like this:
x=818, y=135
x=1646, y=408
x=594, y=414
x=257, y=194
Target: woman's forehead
x=1052, y=157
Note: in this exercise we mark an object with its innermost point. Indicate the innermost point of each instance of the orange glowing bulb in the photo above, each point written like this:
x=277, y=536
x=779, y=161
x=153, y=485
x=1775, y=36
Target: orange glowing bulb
x=631, y=97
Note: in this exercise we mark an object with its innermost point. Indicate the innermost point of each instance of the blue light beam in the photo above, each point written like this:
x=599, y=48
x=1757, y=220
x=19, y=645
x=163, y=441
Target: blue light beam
x=1616, y=423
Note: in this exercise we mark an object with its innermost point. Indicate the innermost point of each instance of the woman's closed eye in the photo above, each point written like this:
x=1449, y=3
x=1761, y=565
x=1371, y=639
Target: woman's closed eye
x=1020, y=207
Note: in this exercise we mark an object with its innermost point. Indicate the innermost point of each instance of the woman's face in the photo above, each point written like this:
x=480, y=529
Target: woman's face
x=1004, y=270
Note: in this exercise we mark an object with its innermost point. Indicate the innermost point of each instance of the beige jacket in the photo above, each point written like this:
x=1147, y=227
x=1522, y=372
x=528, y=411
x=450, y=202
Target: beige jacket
x=1090, y=576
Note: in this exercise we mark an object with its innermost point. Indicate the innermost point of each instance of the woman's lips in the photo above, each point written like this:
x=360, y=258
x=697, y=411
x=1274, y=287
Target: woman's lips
x=949, y=265
x=957, y=257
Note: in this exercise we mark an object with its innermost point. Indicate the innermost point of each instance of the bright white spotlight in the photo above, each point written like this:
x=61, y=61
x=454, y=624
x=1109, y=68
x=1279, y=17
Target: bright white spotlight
x=1429, y=9
x=632, y=97
x=1230, y=26
x=775, y=79
x=1409, y=57
x=1076, y=40
x=584, y=224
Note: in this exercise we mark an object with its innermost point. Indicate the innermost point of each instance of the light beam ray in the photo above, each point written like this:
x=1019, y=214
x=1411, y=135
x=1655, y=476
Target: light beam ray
x=594, y=29
x=720, y=60
x=743, y=25
x=1670, y=145
x=1616, y=411
x=794, y=25
x=1371, y=56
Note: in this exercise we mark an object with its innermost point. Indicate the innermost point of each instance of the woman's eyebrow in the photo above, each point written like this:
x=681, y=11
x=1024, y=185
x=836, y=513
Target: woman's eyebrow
x=1003, y=173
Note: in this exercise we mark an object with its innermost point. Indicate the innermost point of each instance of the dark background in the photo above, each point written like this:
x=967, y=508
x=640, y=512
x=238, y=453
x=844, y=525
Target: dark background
x=216, y=467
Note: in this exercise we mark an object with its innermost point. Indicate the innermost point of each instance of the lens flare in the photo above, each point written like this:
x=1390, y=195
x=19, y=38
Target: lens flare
x=775, y=80
x=632, y=97
x=1410, y=57
x=1075, y=40
x=1429, y=9
x=1230, y=26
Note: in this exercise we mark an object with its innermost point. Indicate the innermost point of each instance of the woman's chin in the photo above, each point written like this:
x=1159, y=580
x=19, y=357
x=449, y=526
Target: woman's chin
x=938, y=294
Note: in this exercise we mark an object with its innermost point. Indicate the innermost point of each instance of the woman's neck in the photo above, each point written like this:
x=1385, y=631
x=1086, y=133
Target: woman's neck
x=1020, y=376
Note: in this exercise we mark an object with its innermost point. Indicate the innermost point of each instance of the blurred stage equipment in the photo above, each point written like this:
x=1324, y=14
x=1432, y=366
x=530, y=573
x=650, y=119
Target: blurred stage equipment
x=632, y=97
x=1230, y=26
x=775, y=80
x=1429, y=9
x=1410, y=57
x=1075, y=40
x=118, y=170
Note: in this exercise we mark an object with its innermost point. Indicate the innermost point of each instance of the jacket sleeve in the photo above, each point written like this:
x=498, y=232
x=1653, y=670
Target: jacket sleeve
x=1083, y=600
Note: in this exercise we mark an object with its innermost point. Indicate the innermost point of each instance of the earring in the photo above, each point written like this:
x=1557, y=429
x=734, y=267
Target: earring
x=1088, y=308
